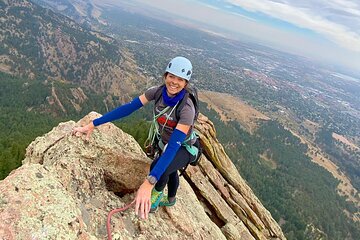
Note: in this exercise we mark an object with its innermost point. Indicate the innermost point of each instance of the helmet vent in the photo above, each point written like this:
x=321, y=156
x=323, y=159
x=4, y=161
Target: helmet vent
x=180, y=67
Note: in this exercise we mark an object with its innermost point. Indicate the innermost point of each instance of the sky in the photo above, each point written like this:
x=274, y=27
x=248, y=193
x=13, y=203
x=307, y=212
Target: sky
x=324, y=30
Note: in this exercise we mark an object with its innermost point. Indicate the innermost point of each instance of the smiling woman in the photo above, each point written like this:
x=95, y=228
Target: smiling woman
x=172, y=135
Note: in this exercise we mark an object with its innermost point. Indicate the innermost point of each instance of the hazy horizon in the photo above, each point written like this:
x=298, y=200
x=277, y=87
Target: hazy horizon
x=325, y=31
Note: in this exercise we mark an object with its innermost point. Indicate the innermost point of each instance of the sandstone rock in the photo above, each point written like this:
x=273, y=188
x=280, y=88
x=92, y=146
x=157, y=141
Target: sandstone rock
x=226, y=179
x=67, y=186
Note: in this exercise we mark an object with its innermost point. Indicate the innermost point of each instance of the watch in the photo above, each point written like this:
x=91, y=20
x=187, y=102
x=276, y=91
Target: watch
x=152, y=180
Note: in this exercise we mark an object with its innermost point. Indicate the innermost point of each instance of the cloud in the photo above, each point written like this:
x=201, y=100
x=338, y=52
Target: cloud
x=336, y=20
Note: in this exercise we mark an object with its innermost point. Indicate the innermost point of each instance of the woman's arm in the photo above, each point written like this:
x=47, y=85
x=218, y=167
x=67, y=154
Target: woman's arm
x=119, y=112
x=142, y=200
x=122, y=111
x=143, y=99
x=176, y=139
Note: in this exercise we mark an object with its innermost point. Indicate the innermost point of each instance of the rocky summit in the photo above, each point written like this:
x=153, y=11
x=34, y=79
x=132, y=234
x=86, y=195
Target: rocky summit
x=67, y=186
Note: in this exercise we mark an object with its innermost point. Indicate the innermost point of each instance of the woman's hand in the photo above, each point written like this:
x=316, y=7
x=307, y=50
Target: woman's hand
x=142, y=200
x=87, y=129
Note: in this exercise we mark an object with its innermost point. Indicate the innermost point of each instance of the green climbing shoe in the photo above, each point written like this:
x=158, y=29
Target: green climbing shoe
x=166, y=203
x=155, y=199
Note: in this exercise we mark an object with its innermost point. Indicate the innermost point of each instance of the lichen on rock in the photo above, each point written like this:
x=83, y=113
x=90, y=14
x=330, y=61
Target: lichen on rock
x=67, y=186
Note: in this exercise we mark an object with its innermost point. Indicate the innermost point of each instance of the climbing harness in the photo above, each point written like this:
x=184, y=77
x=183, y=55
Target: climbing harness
x=154, y=132
x=154, y=144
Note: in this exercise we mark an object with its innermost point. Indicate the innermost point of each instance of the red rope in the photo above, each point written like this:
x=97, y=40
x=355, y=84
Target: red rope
x=108, y=225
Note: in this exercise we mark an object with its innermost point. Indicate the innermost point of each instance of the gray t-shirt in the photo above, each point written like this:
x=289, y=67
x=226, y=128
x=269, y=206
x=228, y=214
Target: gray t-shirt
x=167, y=121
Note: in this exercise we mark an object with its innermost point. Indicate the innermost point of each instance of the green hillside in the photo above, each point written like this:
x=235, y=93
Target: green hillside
x=298, y=193
x=38, y=43
x=26, y=113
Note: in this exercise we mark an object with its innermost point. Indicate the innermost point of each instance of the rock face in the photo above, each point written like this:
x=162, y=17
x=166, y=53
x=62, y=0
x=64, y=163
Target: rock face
x=66, y=187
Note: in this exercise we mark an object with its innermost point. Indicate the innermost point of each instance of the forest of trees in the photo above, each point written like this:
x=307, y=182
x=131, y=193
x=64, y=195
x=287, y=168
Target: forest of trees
x=18, y=124
x=295, y=190
x=25, y=113
x=345, y=159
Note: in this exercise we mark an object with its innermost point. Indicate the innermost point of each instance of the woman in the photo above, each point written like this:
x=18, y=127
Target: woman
x=173, y=134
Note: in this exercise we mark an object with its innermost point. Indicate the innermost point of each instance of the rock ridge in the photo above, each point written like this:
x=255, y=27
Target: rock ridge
x=66, y=187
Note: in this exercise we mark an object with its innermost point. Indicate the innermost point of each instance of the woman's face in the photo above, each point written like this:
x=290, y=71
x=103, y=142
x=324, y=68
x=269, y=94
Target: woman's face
x=174, y=84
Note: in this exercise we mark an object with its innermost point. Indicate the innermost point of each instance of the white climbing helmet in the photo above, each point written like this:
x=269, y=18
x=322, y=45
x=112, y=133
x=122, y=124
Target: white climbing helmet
x=180, y=67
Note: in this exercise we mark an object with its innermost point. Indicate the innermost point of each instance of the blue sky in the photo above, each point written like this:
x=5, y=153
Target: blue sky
x=325, y=30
